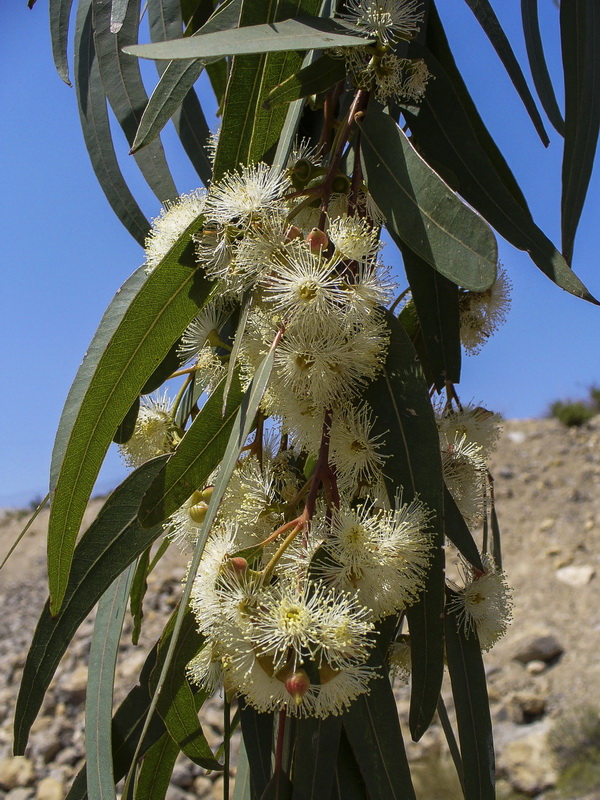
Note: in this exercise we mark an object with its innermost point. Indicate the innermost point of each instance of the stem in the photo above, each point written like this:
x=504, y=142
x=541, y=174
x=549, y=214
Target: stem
x=179, y=395
x=268, y=570
x=279, y=751
x=399, y=299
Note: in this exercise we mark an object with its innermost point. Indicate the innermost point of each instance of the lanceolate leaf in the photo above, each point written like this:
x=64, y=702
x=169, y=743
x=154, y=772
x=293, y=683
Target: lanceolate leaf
x=99, y=693
x=60, y=12
x=111, y=543
x=126, y=93
x=95, y=126
x=117, y=14
x=422, y=210
x=469, y=690
x=458, y=532
x=276, y=37
x=373, y=730
x=489, y=22
x=580, y=39
x=348, y=782
x=436, y=302
x=537, y=63
x=257, y=730
x=443, y=132
x=249, y=132
x=317, y=77
x=400, y=401
x=197, y=455
x=146, y=316
x=242, y=789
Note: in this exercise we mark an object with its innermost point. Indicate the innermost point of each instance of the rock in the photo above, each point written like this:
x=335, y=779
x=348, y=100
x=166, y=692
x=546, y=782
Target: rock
x=182, y=776
x=537, y=647
x=526, y=763
x=203, y=786
x=535, y=667
x=546, y=524
x=576, y=576
x=50, y=789
x=15, y=771
x=74, y=685
x=19, y=794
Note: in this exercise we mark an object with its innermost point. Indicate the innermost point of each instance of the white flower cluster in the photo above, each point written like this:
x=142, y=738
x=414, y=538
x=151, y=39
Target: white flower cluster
x=482, y=313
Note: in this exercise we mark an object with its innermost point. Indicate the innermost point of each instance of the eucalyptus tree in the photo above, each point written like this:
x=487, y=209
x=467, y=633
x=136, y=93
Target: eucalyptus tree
x=314, y=457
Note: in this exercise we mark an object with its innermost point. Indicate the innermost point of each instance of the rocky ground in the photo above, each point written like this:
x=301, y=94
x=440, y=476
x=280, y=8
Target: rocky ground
x=544, y=677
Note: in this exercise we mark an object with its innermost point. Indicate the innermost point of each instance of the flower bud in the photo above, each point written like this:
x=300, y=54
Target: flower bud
x=298, y=685
x=198, y=511
x=318, y=241
x=238, y=564
x=293, y=232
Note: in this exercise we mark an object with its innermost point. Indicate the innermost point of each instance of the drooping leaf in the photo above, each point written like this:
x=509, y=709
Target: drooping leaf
x=436, y=303
x=580, y=41
x=257, y=731
x=373, y=730
x=242, y=789
x=443, y=132
x=496, y=549
x=126, y=729
x=309, y=33
x=177, y=704
x=197, y=455
x=452, y=743
x=422, y=210
x=60, y=13
x=139, y=327
x=95, y=126
x=489, y=22
x=249, y=132
x=458, y=532
x=99, y=692
x=467, y=675
x=537, y=64
x=280, y=787
x=316, y=751
x=317, y=77
x=112, y=541
x=125, y=91
x=348, y=782
x=404, y=418
x=156, y=770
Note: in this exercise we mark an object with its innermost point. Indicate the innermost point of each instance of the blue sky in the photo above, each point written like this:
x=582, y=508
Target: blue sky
x=64, y=253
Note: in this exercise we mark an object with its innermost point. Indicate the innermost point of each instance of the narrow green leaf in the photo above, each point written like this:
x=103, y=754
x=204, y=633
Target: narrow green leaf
x=139, y=327
x=436, y=303
x=99, y=694
x=291, y=122
x=177, y=703
x=452, y=743
x=170, y=363
x=118, y=12
x=156, y=770
x=125, y=91
x=467, y=675
x=95, y=126
x=279, y=787
x=422, y=210
x=138, y=591
x=111, y=543
x=348, y=782
x=580, y=40
x=235, y=350
x=317, y=77
x=489, y=22
x=257, y=732
x=60, y=12
x=496, y=550
x=374, y=734
x=197, y=455
x=126, y=729
x=249, y=132
x=315, y=753
x=276, y=37
x=404, y=418
x=444, y=133
x=458, y=532
x=537, y=64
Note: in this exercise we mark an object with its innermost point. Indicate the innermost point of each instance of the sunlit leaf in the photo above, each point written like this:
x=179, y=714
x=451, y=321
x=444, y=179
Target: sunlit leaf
x=110, y=544
x=422, y=210
x=99, y=692
x=319, y=76
x=139, y=327
x=137, y=593
x=117, y=14
x=156, y=770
